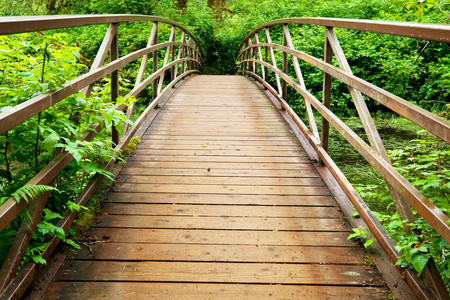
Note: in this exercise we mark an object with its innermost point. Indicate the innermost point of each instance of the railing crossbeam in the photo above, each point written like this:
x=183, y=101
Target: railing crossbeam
x=166, y=58
x=326, y=95
x=402, y=206
x=101, y=54
x=180, y=52
x=274, y=61
x=298, y=72
x=259, y=54
x=142, y=68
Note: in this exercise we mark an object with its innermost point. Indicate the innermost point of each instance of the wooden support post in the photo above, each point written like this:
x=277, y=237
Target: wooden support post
x=172, y=50
x=326, y=98
x=115, y=82
x=141, y=72
x=266, y=59
x=403, y=208
x=180, y=54
x=259, y=55
x=285, y=68
x=308, y=107
x=155, y=63
x=101, y=54
x=274, y=61
x=190, y=54
x=166, y=60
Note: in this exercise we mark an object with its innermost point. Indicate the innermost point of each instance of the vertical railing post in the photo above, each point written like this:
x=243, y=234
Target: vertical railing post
x=247, y=64
x=166, y=59
x=298, y=72
x=244, y=57
x=259, y=54
x=141, y=72
x=285, y=67
x=180, y=55
x=326, y=98
x=101, y=54
x=172, y=70
x=115, y=82
x=155, y=62
x=251, y=66
x=186, y=55
x=266, y=59
x=191, y=55
x=274, y=61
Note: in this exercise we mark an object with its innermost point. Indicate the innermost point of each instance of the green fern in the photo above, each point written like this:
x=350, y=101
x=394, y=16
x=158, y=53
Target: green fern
x=29, y=192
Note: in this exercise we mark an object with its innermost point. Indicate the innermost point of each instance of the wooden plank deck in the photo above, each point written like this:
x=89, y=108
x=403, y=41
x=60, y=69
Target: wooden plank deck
x=219, y=202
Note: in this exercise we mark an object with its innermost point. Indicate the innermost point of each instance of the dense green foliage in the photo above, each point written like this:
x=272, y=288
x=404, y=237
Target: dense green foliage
x=417, y=71
x=34, y=64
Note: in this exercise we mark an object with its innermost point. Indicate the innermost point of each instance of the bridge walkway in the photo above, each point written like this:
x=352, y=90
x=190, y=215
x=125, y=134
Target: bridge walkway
x=219, y=201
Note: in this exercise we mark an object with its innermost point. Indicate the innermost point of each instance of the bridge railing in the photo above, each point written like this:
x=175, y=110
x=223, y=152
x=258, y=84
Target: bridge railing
x=251, y=61
x=182, y=58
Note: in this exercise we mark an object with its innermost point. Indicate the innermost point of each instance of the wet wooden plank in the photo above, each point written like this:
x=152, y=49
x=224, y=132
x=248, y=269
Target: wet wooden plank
x=221, y=210
x=223, y=237
x=220, y=273
x=230, y=223
x=222, y=253
x=273, y=200
x=164, y=291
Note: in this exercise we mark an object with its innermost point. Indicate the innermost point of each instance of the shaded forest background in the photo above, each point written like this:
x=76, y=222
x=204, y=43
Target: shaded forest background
x=390, y=62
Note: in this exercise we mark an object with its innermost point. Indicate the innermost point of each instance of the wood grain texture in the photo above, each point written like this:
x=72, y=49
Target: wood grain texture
x=164, y=291
x=219, y=201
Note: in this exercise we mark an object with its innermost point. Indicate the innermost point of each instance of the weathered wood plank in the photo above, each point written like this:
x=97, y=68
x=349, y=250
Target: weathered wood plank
x=208, y=138
x=219, y=273
x=221, y=142
x=210, y=146
x=230, y=152
x=222, y=189
x=223, y=237
x=230, y=223
x=220, y=210
x=273, y=200
x=195, y=180
x=222, y=253
x=267, y=134
x=164, y=291
x=220, y=165
x=212, y=172
x=217, y=158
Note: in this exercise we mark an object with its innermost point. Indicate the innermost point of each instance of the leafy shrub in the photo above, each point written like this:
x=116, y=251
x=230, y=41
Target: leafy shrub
x=35, y=64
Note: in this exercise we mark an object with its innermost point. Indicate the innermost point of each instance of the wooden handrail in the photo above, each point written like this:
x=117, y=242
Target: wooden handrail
x=189, y=56
x=403, y=193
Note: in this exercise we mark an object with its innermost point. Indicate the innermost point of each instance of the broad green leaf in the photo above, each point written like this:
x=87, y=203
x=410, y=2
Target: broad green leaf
x=419, y=262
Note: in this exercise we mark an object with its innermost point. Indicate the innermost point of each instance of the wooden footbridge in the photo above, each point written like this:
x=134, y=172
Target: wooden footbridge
x=230, y=195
